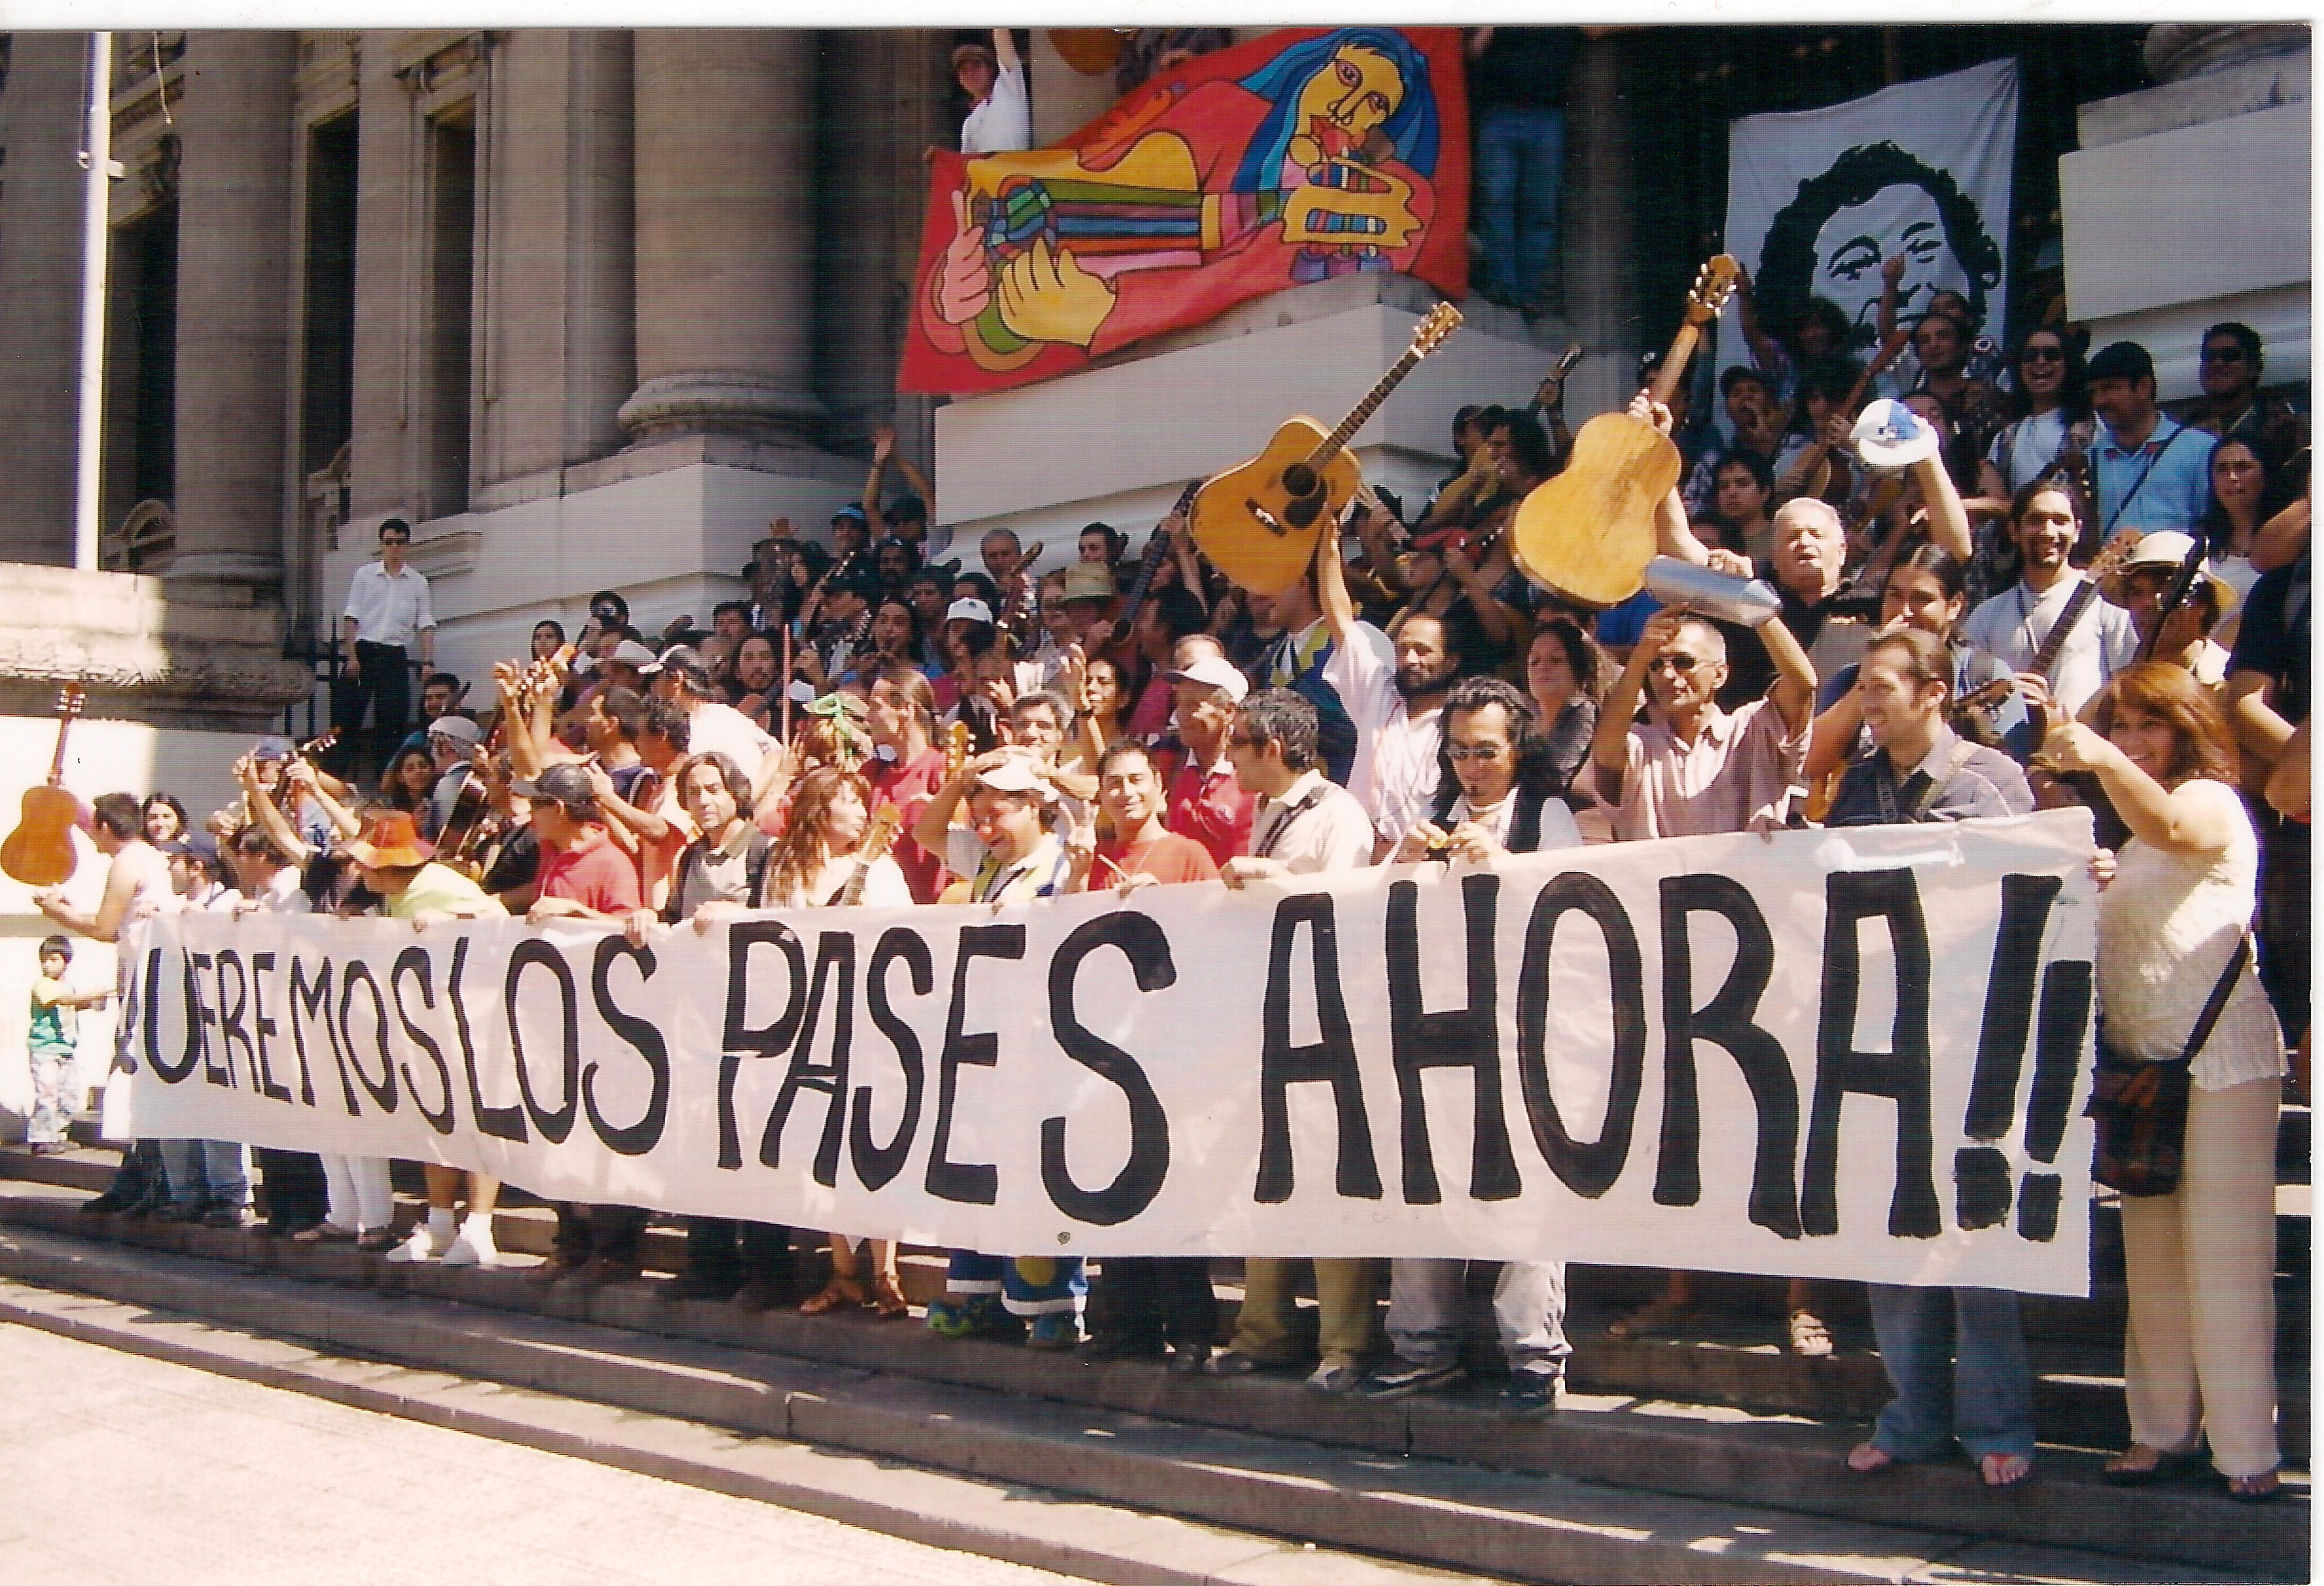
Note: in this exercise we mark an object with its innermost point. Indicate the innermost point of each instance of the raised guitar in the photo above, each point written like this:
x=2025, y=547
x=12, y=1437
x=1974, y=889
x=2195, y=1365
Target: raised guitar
x=40, y=852
x=1149, y=568
x=1587, y=535
x=886, y=822
x=1258, y=523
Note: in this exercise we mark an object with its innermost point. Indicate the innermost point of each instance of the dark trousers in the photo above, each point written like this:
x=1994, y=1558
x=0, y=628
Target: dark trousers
x=726, y=1251
x=297, y=1195
x=2283, y=904
x=610, y=1232
x=142, y=1173
x=383, y=683
x=1155, y=1299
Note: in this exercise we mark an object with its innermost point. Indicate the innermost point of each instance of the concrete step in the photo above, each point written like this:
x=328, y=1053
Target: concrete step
x=1683, y=1449
x=1729, y=1356
x=1436, y=1507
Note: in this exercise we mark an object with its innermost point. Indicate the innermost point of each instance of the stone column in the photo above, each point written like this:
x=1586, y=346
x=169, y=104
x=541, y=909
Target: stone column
x=1600, y=274
x=725, y=232
x=40, y=294
x=234, y=253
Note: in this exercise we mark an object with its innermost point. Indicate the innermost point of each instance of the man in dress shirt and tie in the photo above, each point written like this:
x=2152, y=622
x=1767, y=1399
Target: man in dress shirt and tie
x=386, y=615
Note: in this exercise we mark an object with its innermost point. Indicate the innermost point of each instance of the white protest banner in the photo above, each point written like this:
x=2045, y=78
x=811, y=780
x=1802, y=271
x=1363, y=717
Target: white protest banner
x=1855, y=1054
x=1816, y=199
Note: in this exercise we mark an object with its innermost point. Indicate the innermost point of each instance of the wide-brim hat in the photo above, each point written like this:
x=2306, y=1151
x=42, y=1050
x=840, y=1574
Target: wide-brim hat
x=1215, y=671
x=392, y=842
x=1890, y=435
x=2168, y=548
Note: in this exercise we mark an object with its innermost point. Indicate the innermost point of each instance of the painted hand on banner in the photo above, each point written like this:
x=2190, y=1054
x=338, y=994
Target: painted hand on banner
x=1047, y=296
x=965, y=283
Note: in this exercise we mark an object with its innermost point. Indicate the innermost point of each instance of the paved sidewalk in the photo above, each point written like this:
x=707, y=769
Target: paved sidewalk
x=118, y=1467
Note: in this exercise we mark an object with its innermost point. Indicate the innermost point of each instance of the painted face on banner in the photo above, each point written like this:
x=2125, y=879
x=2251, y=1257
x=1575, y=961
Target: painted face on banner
x=1900, y=218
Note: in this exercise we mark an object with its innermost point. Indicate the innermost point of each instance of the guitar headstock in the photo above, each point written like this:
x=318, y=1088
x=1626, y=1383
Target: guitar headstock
x=321, y=743
x=886, y=822
x=956, y=741
x=2111, y=556
x=70, y=698
x=1714, y=283
x=1430, y=334
x=1890, y=351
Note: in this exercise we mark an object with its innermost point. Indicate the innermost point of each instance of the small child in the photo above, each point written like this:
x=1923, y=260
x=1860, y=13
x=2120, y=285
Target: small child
x=54, y=1035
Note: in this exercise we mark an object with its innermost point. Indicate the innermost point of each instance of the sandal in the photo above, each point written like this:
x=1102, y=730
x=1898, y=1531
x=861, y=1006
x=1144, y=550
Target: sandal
x=2257, y=1488
x=838, y=1292
x=316, y=1232
x=1869, y=1459
x=2128, y=1469
x=887, y=1298
x=2004, y=1469
x=1810, y=1337
x=1659, y=1314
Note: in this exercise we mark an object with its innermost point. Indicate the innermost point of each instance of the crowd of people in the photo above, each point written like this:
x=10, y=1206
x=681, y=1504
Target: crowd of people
x=878, y=724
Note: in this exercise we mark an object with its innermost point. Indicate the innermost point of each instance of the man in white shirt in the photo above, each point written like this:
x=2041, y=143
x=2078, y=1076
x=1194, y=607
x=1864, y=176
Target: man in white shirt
x=2014, y=623
x=1001, y=119
x=1394, y=692
x=680, y=675
x=385, y=618
x=1302, y=825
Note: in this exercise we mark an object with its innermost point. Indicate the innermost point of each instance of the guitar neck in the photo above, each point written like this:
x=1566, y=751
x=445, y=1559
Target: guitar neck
x=57, y=761
x=1337, y=440
x=1674, y=361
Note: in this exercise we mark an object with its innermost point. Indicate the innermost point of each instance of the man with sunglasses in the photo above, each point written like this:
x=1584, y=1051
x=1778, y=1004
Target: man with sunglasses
x=1695, y=768
x=2232, y=407
x=2151, y=473
x=385, y=617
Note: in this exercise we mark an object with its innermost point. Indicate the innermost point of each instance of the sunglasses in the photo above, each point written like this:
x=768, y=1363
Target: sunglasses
x=1459, y=752
x=2043, y=355
x=2223, y=354
x=1675, y=663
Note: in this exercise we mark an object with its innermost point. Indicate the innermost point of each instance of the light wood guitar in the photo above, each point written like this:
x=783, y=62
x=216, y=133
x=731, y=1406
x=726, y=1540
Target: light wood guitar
x=1259, y=523
x=1587, y=535
x=40, y=852
x=878, y=836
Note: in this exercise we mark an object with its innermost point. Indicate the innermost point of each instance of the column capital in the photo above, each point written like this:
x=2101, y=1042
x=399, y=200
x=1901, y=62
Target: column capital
x=734, y=400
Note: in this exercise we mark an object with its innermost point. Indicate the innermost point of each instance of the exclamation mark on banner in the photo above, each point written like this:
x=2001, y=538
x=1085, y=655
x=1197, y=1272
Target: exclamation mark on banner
x=1981, y=1188
x=2058, y=1046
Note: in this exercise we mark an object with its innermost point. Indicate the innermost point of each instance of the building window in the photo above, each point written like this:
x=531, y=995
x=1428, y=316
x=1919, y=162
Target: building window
x=141, y=383
x=450, y=284
x=327, y=378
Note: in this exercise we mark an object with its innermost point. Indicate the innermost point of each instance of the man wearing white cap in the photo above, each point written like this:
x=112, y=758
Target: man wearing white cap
x=1008, y=856
x=1204, y=801
x=680, y=677
x=451, y=740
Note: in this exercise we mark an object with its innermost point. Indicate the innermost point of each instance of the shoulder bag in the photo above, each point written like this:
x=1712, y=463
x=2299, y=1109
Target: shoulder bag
x=2141, y=1108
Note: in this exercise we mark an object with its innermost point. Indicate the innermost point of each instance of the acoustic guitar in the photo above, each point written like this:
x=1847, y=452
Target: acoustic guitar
x=1259, y=523
x=878, y=837
x=1587, y=535
x=40, y=852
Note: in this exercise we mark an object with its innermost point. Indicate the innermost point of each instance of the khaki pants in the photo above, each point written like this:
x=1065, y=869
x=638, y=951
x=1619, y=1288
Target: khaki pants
x=1346, y=1291
x=2200, y=1354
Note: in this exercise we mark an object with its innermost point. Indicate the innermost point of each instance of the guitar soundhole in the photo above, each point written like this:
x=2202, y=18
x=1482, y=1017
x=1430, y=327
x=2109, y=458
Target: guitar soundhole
x=1300, y=511
x=1301, y=481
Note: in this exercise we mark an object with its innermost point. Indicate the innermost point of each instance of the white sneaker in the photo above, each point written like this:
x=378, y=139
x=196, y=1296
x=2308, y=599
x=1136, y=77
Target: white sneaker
x=472, y=1246
x=420, y=1246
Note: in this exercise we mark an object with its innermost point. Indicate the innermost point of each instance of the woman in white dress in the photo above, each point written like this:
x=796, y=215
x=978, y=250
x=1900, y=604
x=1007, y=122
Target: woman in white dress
x=2199, y=1352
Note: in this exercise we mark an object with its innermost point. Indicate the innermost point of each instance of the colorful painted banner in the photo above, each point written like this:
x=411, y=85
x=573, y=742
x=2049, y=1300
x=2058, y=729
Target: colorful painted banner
x=1298, y=157
x=1848, y=1054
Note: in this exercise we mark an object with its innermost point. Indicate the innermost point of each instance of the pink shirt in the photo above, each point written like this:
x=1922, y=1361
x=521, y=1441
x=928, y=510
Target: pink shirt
x=1738, y=766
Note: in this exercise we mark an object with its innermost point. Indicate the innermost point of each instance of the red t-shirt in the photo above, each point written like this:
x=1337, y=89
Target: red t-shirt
x=909, y=787
x=1211, y=809
x=1168, y=859
x=596, y=874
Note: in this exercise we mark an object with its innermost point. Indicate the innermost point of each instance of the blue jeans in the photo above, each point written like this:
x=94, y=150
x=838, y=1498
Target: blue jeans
x=1029, y=1286
x=1955, y=1358
x=205, y=1173
x=1520, y=166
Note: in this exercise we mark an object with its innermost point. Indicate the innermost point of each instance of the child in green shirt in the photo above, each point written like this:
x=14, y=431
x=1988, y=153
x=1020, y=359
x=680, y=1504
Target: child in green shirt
x=54, y=1034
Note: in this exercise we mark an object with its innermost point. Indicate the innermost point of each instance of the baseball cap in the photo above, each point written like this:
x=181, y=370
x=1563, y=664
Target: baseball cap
x=563, y=783
x=272, y=746
x=1737, y=373
x=2122, y=360
x=854, y=509
x=684, y=660
x=199, y=845
x=1215, y=671
x=1890, y=435
x=459, y=729
x=967, y=609
x=907, y=507
x=1014, y=775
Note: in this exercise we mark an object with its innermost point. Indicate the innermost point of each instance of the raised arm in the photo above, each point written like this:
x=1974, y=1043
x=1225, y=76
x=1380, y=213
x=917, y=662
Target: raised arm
x=2281, y=538
x=1948, y=517
x=1794, y=692
x=269, y=816
x=1764, y=353
x=2179, y=820
x=1004, y=48
x=1610, y=748
x=1892, y=274
x=1674, y=535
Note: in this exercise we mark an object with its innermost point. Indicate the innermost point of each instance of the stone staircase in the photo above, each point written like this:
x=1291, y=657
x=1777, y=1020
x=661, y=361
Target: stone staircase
x=1715, y=1457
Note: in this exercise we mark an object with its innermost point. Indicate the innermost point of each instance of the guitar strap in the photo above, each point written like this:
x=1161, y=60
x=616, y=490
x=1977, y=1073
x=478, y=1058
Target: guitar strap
x=1915, y=809
x=2132, y=493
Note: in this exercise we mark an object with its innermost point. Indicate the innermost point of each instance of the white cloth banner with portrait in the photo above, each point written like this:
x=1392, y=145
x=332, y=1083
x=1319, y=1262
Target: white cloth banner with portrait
x=1844, y=1055
x=1816, y=199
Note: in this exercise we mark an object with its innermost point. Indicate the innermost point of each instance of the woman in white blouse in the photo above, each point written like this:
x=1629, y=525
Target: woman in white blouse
x=2200, y=1353
x=2050, y=401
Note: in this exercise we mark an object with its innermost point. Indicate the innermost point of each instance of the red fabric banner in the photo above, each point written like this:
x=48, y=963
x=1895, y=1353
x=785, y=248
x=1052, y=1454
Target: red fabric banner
x=1309, y=154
